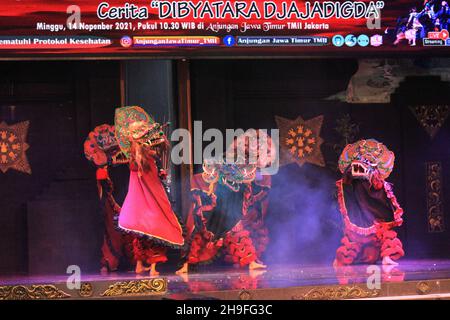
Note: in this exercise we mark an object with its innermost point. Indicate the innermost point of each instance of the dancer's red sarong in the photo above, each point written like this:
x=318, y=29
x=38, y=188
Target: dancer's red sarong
x=147, y=210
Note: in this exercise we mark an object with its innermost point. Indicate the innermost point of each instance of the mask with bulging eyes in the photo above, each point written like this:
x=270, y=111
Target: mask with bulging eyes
x=146, y=134
x=364, y=158
x=362, y=169
x=101, y=147
x=231, y=175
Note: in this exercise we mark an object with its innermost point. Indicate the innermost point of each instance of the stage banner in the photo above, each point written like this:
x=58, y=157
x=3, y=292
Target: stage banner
x=208, y=28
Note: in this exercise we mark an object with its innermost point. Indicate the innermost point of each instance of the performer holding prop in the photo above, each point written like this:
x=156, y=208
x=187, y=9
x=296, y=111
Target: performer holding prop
x=218, y=208
x=368, y=205
x=146, y=211
x=259, y=144
x=102, y=149
x=222, y=198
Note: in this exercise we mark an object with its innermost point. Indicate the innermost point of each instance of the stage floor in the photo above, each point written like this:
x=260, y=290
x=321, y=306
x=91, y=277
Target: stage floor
x=284, y=282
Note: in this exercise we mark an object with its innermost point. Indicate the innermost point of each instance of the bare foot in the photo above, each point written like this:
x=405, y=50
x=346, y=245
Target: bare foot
x=388, y=268
x=104, y=270
x=335, y=263
x=388, y=261
x=183, y=270
x=140, y=267
x=254, y=265
x=256, y=273
x=153, y=271
x=184, y=277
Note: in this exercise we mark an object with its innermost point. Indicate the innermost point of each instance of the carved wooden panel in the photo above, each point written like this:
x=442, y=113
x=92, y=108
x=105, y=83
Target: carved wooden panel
x=435, y=200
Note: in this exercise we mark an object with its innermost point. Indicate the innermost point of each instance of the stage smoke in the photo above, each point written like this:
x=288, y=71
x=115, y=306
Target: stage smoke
x=303, y=220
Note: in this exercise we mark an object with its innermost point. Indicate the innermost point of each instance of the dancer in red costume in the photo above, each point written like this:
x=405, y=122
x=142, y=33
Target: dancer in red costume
x=102, y=150
x=368, y=206
x=218, y=208
x=146, y=211
x=228, y=207
x=259, y=144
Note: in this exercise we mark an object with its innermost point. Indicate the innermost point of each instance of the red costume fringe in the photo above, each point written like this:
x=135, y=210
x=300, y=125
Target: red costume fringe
x=116, y=245
x=368, y=245
x=203, y=249
x=239, y=247
x=145, y=250
x=237, y=243
x=398, y=211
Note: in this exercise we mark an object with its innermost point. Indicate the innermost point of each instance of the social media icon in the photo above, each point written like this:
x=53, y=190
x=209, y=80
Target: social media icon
x=338, y=40
x=363, y=40
x=126, y=42
x=350, y=40
x=229, y=41
x=376, y=40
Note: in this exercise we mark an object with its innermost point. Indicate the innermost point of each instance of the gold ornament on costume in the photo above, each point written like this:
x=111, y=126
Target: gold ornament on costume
x=13, y=146
x=300, y=141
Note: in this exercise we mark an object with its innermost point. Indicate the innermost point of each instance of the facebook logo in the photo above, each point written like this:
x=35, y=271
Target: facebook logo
x=229, y=41
x=447, y=42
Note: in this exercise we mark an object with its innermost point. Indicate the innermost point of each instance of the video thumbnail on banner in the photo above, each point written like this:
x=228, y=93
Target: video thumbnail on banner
x=221, y=28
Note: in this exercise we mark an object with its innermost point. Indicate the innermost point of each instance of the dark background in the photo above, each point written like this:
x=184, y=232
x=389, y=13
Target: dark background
x=51, y=219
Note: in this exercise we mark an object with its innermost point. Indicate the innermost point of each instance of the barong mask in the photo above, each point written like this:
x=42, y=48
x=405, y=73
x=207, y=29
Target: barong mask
x=231, y=175
x=253, y=147
x=368, y=205
x=133, y=124
x=366, y=158
x=101, y=147
x=146, y=134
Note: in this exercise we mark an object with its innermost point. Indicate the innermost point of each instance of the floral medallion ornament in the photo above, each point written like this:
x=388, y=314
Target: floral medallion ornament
x=300, y=141
x=13, y=146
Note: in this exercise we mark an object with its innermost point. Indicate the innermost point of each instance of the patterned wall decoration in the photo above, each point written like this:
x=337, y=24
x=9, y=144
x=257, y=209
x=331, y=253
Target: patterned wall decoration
x=435, y=205
x=33, y=292
x=300, y=141
x=13, y=147
x=431, y=117
x=377, y=79
x=348, y=132
x=136, y=287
